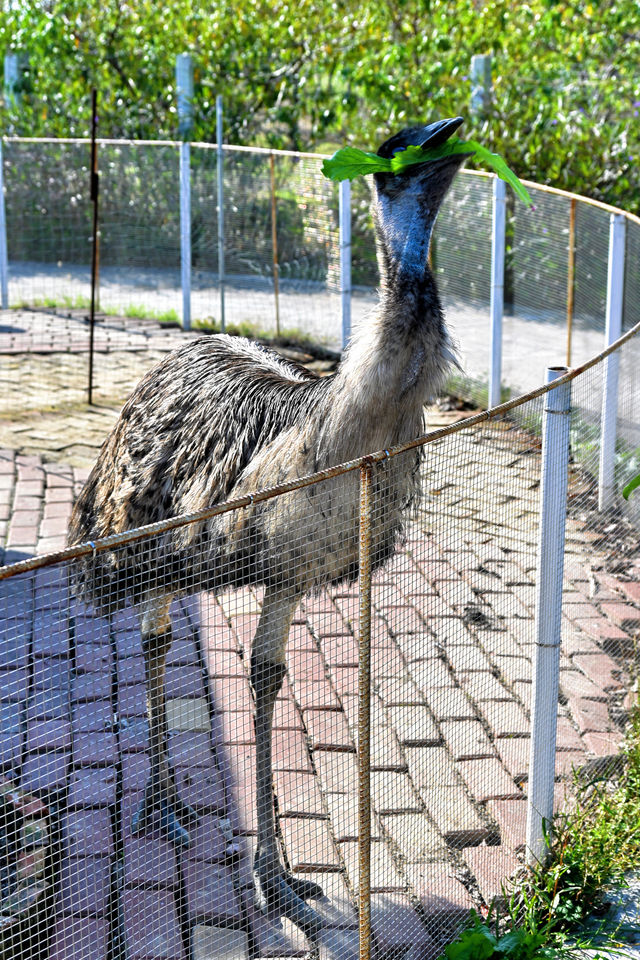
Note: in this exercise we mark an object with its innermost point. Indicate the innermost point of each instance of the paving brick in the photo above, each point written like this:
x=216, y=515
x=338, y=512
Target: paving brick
x=444, y=900
x=299, y=794
x=92, y=787
x=631, y=590
x=567, y=737
x=96, y=717
x=45, y=771
x=414, y=726
x=574, y=684
x=511, y=817
x=186, y=714
x=344, y=817
x=290, y=751
x=13, y=684
x=483, y=686
x=201, y=787
x=184, y=681
x=219, y=943
x=76, y=938
x=492, y=868
x=385, y=876
x=151, y=927
x=600, y=629
x=600, y=668
x=84, y=885
x=210, y=840
x=455, y=815
x=309, y=844
x=428, y=765
x=488, y=780
x=398, y=691
x=603, y=743
x=514, y=754
x=211, y=896
x=590, y=715
x=132, y=700
x=338, y=772
x=48, y=734
x=397, y=928
x=506, y=718
x=149, y=863
x=231, y=693
x=134, y=734
x=88, y=832
x=328, y=730
x=94, y=749
x=449, y=703
x=88, y=687
x=393, y=792
x=466, y=739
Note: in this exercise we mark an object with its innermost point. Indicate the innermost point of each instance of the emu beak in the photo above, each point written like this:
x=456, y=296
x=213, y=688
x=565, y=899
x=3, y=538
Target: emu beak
x=435, y=134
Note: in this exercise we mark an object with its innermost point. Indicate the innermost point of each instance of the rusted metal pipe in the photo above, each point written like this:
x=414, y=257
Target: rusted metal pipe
x=364, y=714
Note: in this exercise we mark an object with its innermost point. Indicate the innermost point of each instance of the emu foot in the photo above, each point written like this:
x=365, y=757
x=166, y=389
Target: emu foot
x=282, y=895
x=175, y=815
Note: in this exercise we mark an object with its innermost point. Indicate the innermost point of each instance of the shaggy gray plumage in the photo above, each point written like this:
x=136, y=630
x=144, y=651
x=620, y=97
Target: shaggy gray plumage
x=223, y=417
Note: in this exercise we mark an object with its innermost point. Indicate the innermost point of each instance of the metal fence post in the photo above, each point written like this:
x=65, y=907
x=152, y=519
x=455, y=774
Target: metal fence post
x=480, y=85
x=546, y=671
x=345, y=259
x=185, y=232
x=497, y=289
x=571, y=270
x=220, y=155
x=364, y=713
x=4, y=253
x=615, y=295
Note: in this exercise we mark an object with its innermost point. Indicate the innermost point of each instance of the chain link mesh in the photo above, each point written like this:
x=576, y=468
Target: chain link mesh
x=453, y=637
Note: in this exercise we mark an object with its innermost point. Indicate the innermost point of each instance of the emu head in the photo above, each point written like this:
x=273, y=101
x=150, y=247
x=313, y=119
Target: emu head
x=405, y=205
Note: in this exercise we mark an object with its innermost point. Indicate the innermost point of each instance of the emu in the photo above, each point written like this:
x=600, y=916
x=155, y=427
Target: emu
x=223, y=417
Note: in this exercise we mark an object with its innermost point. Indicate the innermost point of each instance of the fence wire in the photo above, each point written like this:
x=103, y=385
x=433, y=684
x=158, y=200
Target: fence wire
x=281, y=243
x=112, y=722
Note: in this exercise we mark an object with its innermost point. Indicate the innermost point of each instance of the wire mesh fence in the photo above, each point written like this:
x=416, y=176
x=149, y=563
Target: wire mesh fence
x=173, y=784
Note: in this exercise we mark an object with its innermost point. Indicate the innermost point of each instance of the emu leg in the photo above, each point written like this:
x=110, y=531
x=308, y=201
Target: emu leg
x=281, y=893
x=160, y=793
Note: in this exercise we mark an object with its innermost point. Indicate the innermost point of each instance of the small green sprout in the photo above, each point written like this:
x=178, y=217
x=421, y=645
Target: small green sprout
x=349, y=162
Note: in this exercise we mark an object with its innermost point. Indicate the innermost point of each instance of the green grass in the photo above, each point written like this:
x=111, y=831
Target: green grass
x=550, y=912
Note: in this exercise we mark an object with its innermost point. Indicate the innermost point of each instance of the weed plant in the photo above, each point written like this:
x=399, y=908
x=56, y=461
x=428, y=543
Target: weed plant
x=558, y=908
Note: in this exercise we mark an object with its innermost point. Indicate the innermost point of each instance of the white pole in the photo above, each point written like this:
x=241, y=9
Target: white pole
x=480, y=85
x=184, y=94
x=546, y=671
x=185, y=232
x=345, y=259
x=4, y=253
x=609, y=418
x=220, y=208
x=497, y=289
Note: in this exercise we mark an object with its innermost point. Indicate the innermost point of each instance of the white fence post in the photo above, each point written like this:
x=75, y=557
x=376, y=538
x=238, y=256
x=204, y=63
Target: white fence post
x=546, y=671
x=220, y=156
x=615, y=296
x=480, y=85
x=4, y=254
x=184, y=91
x=345, y=259
x=497, y=289
x=185, y=232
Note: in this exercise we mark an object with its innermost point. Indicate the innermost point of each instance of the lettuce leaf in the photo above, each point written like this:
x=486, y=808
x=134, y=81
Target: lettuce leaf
x=349, y=162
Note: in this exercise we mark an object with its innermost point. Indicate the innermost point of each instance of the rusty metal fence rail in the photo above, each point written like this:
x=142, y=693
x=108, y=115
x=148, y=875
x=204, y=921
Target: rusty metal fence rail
x=403, y=749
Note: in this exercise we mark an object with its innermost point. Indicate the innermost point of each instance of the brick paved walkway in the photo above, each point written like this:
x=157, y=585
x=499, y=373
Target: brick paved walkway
x=452, y=642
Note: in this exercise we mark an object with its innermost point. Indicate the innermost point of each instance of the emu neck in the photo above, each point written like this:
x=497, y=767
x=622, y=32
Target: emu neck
x=395, y=363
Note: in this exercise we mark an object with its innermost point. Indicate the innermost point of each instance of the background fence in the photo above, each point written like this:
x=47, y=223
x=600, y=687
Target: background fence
x=451, y=636
x=550, y=284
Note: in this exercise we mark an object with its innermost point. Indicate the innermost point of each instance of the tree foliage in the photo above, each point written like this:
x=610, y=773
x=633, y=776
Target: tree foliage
x=309, y=74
